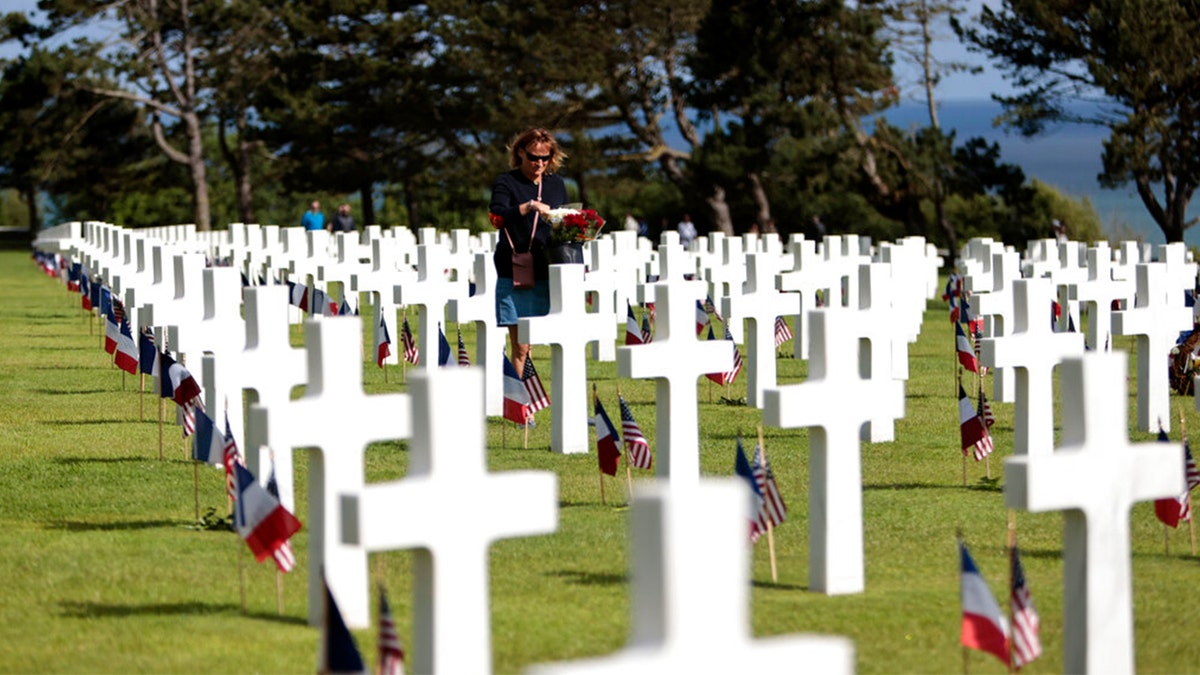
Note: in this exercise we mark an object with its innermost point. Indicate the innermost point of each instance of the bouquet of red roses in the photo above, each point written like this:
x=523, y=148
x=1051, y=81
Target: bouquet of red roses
x=571, y=225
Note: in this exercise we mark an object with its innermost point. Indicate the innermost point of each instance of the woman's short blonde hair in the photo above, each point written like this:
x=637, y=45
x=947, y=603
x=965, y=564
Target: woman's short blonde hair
x=533, y=137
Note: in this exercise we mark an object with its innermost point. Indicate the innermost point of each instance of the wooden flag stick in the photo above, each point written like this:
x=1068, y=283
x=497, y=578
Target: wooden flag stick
x=385, y=378
x=987, y=465
x=142, y=398
x=762, y=448
x=603, y=500
x=122, y=380
x=503, y=433
x=526, y=425
x=629, y=473
x=278, y=592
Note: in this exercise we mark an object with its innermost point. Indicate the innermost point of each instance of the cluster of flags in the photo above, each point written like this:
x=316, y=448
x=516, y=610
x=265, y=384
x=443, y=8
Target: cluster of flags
x=524, y=394
x=258, y=516
x=728, y=376
x=635, y=333
x=315, y=300
x=768, y=510
x=984, y=627
x=1174, y=510
x=339, y=652
x=975, y=422
x=609, y=443
x=383, y=346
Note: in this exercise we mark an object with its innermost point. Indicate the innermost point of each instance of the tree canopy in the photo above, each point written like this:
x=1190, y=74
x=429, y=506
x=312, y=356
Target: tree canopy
x=1135, y=60
x=745, y=113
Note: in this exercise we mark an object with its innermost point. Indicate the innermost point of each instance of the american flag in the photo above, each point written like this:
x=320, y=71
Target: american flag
x=977, y=336
x=773, y=509
x=783, y=332
x=647, y=332
x=411, y=353
x=285, y=558
x=737, y=358
x=1174, y=510
x=1192, y=476
x=742, y=467
x=985, y=410
x=639, y=448
x=189, y=415
x=701, y=317
x=464, y=359
x=391, y=651
x=533, y=384
x=230, y=459
x=974, y=432
x=1027, y=646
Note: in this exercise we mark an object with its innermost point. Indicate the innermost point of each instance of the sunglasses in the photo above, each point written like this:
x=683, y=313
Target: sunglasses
x=538, y=158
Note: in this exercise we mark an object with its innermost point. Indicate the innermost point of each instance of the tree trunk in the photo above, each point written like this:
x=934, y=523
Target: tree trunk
x=199, y=171
x=763, y=204
x=35, y=222
x=410, y=203
x=722, y=221
x=368, y=205
x=245, y=190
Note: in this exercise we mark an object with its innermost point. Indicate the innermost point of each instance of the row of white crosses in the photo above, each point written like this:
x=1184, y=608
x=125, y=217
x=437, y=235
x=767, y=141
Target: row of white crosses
x=1022, y=339
x=348, y=518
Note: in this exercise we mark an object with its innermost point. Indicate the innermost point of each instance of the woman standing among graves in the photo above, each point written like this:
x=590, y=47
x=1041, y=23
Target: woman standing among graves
x=521, y=199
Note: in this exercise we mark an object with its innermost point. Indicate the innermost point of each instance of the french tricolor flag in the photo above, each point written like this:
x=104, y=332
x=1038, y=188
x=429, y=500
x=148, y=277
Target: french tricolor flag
x=633, y=332
x=259, y=518
x=383, y=342
x=516, y=396
x=983, y=627
x=127, y=349
x=208, y=443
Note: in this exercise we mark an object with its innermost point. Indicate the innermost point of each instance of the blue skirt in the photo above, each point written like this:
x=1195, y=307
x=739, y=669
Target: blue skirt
x=513, y=303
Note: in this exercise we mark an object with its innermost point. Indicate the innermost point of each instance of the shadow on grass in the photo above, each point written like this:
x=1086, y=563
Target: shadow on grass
x=96, y=610
x=771, y=586
x=56, y=423
x=80, y=526
x=70, y=461
x=984, y=485
x=590, y=578
x=70, y=392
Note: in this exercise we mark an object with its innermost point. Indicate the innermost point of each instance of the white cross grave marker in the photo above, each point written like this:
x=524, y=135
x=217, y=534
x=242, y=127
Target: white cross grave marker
x=271, y=368
x=676, y=359
x=447, y=457
x=997, y=306
x=1095, y=477
x=1098, y=293
x=480, y=309
x=567, y=328
x=759, y=304
x=695, y=618
x=836, y=402
x=1157, y=316
x=336, y=464
x=1033, y=349
x=431, y=292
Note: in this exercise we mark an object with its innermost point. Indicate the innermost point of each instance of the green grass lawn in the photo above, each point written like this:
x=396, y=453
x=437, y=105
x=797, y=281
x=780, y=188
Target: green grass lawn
x=105, y=569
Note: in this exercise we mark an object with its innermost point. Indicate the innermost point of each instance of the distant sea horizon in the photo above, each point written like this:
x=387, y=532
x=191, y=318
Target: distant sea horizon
x=1067, y=157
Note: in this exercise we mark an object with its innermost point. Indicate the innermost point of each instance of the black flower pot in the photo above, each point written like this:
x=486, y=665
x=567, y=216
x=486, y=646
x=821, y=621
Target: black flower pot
x=570, y=253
